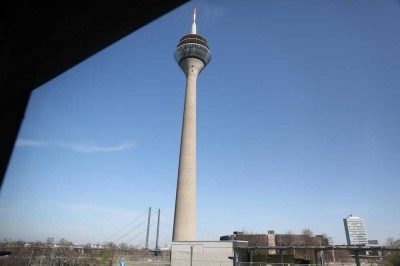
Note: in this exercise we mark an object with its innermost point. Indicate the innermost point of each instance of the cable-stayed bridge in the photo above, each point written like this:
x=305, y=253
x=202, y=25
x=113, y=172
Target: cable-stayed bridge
x=152, y=230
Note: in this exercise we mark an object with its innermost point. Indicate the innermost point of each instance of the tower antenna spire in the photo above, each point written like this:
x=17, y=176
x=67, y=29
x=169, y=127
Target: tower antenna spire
x=194, y=22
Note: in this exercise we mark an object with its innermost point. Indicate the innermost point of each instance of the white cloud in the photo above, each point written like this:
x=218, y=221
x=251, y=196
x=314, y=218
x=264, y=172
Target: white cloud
x=30, y=142
x=77, y=147
x=97, y=149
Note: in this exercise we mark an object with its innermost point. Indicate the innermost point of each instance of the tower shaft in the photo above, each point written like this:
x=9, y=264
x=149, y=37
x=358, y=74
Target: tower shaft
x=192, y=54
x=185, y=204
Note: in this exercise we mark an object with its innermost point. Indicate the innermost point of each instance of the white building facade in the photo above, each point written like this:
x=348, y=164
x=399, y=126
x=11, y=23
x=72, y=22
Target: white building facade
x=207, y=253
x=355, y=230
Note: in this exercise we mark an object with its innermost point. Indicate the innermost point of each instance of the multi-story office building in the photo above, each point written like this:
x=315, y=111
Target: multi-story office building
x=355, y=230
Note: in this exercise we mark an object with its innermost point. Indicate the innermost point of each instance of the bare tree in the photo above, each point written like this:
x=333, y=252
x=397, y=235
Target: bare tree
x=392, y=257
x=329, y=256
x=110, y=245
x=290, y=238
x=64, y=242
x=290, y=241
x=123, y=245
x=19, y=243
x=342, y=256
x=307, y=235
x=392, y=242
x=37, y=243
x=50, y=241
x=308, y=240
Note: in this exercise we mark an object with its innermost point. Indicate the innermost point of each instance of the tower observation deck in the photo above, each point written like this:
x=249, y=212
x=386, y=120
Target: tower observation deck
x=193, y=46
x=192, y=54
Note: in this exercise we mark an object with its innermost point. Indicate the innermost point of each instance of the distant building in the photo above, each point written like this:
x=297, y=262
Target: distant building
x=355, y=230
x=373, y=243
x=275, y=240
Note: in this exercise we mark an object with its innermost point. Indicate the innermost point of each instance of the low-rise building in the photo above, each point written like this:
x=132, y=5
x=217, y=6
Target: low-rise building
x=271, y=239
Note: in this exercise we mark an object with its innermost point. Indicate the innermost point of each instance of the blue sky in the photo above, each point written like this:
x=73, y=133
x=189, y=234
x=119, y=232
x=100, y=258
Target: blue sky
x=298, y=126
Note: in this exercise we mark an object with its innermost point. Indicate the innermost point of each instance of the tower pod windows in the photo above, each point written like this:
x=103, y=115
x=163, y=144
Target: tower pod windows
x=192, y=50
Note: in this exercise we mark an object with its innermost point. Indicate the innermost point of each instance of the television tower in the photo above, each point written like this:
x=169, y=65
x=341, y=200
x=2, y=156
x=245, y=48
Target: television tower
x=192, y=55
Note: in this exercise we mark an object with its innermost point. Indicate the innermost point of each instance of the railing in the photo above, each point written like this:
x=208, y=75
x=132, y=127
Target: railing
x=271, y=264
x=141, y=260
x=185, y=262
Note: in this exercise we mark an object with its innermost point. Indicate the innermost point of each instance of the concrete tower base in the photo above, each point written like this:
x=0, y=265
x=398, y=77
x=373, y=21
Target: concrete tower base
x=210, y=253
